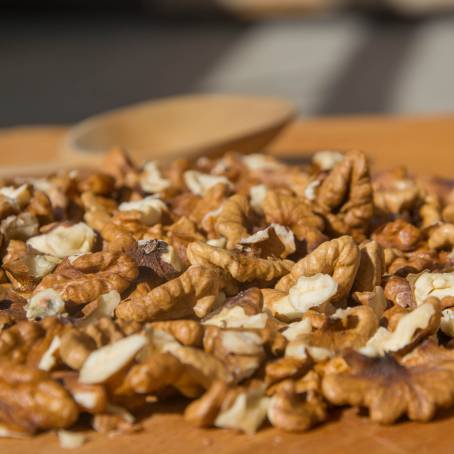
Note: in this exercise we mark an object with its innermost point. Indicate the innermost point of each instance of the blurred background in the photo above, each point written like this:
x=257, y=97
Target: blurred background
x=61, y=61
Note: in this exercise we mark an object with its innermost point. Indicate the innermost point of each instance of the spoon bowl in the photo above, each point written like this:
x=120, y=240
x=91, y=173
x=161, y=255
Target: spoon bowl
x=186, y=126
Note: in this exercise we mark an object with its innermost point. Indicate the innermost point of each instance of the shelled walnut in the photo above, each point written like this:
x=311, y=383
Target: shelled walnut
x=255, y=289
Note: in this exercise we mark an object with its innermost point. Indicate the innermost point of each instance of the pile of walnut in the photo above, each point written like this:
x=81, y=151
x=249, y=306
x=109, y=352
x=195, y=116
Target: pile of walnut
x=260, y=291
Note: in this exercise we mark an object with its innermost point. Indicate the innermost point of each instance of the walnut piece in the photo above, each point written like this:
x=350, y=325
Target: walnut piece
x=247, y=412
x=438, y=285
x=345, y=195
x=90, y=276
x=339, y=258
x=177, y=298
x=242, y=267
x=307, y=293
x=292, y=412
x=32, y=401
x=64, y=240
x=106, y=361
x=232, y=220
x=390, y=389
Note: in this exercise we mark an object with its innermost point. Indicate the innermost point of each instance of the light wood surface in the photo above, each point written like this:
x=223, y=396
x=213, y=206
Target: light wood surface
x=426, y=145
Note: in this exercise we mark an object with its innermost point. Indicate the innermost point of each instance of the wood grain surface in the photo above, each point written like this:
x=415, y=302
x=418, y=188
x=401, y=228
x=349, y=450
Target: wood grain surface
x=426, y=146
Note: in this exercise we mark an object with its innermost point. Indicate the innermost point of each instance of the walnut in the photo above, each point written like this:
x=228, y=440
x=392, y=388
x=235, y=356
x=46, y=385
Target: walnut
x=242, y=267
x=438, y=285
x=398, y=234
x=117, y=420
x=447, y=322
x=150, y=209
x=274, y=241
x=241, y=350
x=375, y=300
x=151, y=179
x=339, y=258
x=12, y=307
x=246, y=413
x=430, y=211
x=103, y=306
x=259, y=161
x=399, y=291
x=295, y=412
x=285, y=368
x=198, y=183
x=390, y=389
x=97, y=183
x=16, y=197
x=32, y=401
x=441, y=237
x=411, y=330
x=177, y=298
x=70, y=440
x=17, y=340
x=209, y=205
x=351, y=328
x=232, y=220
x=413, y=262
x=100, y=219
x=104, y=331
x=75, y=347
x=395, y=192
x=90, y=398
x=308, y=292
x=257, y=194
x=345, y=195
x=45, y=303
x=187, y=332
x=448, y=213
x=64, y=240
x=118, y=164
x=158, y=256
x=327, y=159
x=101, y=364
x=91, y=275
x=7, y=207
x=290, y=211
x=202, y=368
x=20, y=227
x=371, y=267
x=293, y=330
x=203, y=411
x=158, y=371
x=241, y=311
x=27, y=270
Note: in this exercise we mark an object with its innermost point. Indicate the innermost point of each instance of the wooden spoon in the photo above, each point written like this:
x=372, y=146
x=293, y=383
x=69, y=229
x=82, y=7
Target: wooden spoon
x=184, y=126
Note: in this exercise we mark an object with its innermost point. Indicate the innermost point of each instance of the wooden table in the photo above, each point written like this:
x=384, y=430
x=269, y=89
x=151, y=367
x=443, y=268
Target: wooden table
x=426, y=146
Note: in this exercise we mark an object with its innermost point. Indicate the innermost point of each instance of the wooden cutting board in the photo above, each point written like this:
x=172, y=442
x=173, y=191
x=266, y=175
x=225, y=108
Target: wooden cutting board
x=426, y=146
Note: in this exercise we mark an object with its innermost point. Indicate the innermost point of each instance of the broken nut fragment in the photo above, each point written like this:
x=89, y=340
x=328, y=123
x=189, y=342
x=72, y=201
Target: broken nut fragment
x=338, y=258
x=242, y=267
x=65, y=240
